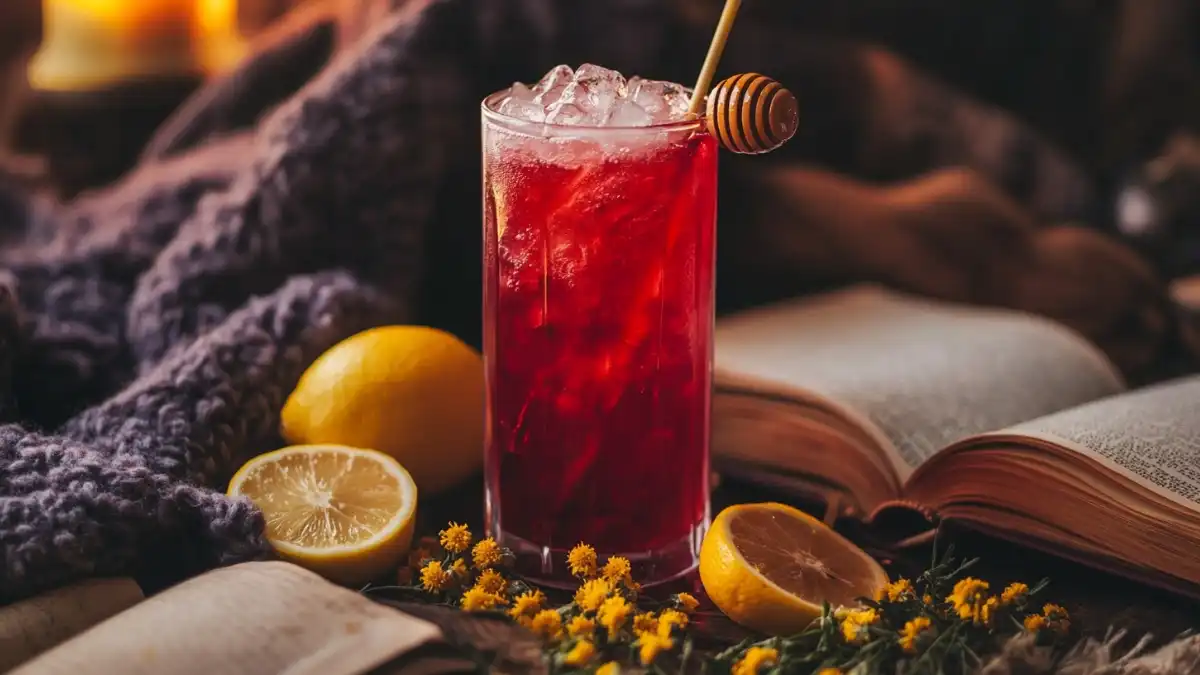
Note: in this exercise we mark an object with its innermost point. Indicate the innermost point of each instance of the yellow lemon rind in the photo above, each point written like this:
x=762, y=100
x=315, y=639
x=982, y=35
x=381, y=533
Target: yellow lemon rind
x=413, y=392
x=779, y=612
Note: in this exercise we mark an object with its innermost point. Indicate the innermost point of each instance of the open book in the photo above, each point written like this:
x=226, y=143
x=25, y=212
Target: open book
x=259, y=617
x=1009, y=423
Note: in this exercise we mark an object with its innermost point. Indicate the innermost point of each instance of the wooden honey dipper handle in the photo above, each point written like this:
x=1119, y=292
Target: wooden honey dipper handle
x=751, y=114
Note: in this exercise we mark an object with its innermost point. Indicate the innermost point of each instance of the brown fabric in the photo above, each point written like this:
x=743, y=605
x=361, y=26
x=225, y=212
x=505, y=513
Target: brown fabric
x=951, y=234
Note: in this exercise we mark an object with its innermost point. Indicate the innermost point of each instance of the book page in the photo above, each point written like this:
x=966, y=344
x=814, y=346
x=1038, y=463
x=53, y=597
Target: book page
x=32, y=626
x=262, y=617
x=920, y=373
x=1151, y=436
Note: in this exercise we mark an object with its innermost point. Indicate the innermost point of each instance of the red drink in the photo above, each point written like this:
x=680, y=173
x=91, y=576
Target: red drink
x=598, y=311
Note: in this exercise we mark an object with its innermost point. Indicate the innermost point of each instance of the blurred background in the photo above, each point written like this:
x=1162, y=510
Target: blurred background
x=1082, y=112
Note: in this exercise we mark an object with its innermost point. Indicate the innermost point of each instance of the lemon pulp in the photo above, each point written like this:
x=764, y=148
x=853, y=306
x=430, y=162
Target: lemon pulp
x=344, y=512
x=770, y=567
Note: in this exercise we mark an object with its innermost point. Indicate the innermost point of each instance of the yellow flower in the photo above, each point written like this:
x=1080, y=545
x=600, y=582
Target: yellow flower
x=896, y=591
x=968, y=598
x=1057, y=618
x=476, y=599
x=610, y=668
x=616, y=569
x=913, y=632
x=756, y=659
x=456, y=538
x=486, y=553
x=1034, y=623
x=927, y=599
x=583, y=652
x=582, y=561
x=592, y=594
x=527, y=604
x=1052, y=610
x=1016, y=592
x=459, y=569
x=651, y=645
x=687, y=602
x=492, y=582
x=581, y=626
x=854, y=626
x=1053, y=618
x=645, y=622
x=987, y=613
x=613, y=614
x=547, y=624
x=830, y=671
x=668, y=619
x=433, y=577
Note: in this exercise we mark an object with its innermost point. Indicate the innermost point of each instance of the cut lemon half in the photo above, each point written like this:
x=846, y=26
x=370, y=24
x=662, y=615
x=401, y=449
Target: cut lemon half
x=770, y=567
x=344, y=513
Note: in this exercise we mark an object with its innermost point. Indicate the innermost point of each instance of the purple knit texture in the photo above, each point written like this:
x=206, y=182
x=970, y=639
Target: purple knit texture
x=151, y=332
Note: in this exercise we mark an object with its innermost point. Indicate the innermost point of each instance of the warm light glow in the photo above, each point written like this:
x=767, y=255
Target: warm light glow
x=93, y=43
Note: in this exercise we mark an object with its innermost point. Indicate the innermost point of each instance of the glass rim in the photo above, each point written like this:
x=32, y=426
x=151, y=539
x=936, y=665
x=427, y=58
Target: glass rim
x=518, y=125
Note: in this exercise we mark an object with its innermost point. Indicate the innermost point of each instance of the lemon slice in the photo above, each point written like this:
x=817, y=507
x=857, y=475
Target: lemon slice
x=344, y=513
x=770, y=567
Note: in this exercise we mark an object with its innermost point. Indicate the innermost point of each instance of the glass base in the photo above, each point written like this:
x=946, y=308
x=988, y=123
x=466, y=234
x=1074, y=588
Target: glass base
x=547, y=566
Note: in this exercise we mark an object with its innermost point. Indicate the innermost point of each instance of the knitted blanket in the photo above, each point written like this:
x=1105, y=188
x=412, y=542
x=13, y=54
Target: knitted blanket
x=150, y=331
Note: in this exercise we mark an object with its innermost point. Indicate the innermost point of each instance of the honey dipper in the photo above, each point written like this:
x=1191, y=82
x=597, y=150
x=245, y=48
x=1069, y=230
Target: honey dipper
x=751, y=114
x=747, y=113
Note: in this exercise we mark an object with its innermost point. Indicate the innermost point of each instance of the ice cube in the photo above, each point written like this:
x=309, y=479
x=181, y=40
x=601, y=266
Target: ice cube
x=521, y=92
x=567, y=113
x=596, y=96
x=664, y=101
x=529, y=111
x=599, y=78
x=626, y=113
x=595, y=91
x=548, y=90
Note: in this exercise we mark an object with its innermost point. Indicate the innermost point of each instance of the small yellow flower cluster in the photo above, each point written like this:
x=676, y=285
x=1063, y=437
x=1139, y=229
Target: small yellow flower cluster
x=971, y=602
x=602, y=622
x=915, y=619
x=602, y=628
x=470, y=573
x=897, y=591
x=605, y=612
x=1053, y=619
x=914, y=633
x=755, y=660
x=856, y=624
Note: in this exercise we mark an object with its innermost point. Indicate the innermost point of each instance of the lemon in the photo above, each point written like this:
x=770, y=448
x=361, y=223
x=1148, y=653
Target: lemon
x=413, y=392
x=344, y=513
x=770, y=567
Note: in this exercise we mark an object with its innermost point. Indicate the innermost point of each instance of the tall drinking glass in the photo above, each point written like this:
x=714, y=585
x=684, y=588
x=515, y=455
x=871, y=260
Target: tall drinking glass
x=598, y=325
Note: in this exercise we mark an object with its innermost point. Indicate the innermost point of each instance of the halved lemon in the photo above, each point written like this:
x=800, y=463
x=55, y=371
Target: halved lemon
x=770, y=567
x=344, y=513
